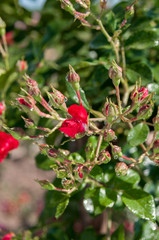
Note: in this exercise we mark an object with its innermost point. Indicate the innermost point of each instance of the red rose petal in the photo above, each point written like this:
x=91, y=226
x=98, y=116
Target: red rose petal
x=78, y=112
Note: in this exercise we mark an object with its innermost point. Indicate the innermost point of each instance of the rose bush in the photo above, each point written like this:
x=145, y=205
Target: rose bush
x=112, y=170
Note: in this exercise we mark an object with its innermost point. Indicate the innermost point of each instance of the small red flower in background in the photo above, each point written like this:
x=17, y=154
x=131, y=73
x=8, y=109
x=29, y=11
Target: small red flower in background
x=2, y=107
x=7, y=143
x=8, y=236
x=9, y=38
x=77, y=123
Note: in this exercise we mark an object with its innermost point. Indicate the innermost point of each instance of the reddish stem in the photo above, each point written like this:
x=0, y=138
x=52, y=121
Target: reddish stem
x=79, y=96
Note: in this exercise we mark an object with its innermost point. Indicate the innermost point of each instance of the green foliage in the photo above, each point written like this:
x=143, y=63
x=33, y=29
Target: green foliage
x=83, y=183
x=138, y=134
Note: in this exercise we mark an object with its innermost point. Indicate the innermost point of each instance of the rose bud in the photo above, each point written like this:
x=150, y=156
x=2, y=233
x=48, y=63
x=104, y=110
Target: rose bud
x=67, y=184
x=121, y=168
x=115, y=73
x=2, y=108
x=61, y=172
x=116, y=151
x=156, y=146
x=23, y=102
x=144, y=112
x=103, y=4
x=33, y=86
x=82, y=3
x=109, y=135
x=104, y=157
x=57, y=99
x=110, y=110
x=139, y=94
x=29, y=123
x=21, y=65
x=73, y=78
x=67, y=6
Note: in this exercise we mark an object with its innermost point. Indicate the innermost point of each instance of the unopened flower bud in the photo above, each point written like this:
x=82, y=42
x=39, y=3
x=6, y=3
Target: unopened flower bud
x=115, y=73
x=80, y=172
x=121, y=168
x=56, y=98
x=53, y=153
x=67, y=6
x=144, y=112
x=2, y=108
x=23, y=102
x=104, y=157
x=129, y=11
x=33, y=86
x=103, y=4
x=43, y=148
x=29, y=123
x=116, y=151
x=67, y=184
x=82, y=3
x=22, y=65
x=109, y=135
x=73, y=78
x=2, y=27
x=139, y=94
x=156, y=146
x=110, y=110
x=61, y=173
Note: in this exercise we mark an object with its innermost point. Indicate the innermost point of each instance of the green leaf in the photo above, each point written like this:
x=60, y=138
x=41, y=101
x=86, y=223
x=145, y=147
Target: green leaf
x=100, y=41
x=119, y=234
x=45, y=184
x=76, y=157
x=91, y=201
x=128, y=181
x=110, y=21
x=107, y=197
x=138, y=134
x=153, y=87
x=97, y=173
x=140, y=203
x=43, y=162
x=143, y=39
x=74, y=97
x=137, y=70
x=61, y=207
x=91, y=148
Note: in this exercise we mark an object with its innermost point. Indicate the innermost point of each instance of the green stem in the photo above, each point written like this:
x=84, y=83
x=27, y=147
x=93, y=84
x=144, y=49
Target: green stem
x=108, y=37
x=100, y=139
x=118, y=99
x=109, y=224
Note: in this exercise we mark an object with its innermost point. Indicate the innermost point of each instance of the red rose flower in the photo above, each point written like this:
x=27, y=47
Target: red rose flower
x=77, y=123
x=2, y=107
x=8, y=236
x=7, y=143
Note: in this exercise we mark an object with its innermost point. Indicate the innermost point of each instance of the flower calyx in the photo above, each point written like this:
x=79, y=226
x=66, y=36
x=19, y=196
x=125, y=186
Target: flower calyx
x=115, y=73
